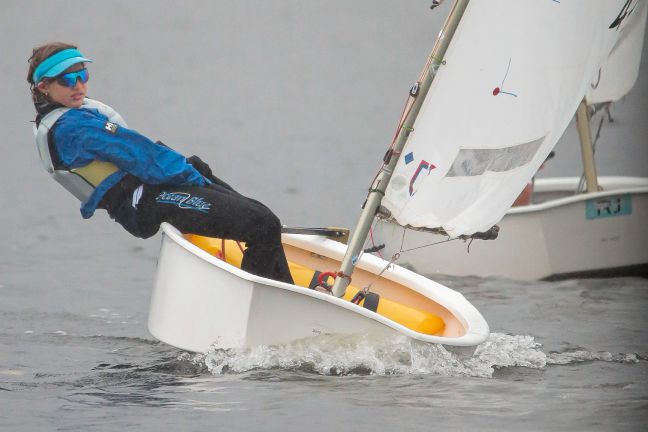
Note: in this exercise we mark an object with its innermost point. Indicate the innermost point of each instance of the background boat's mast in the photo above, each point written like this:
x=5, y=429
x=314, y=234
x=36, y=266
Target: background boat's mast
x=587, y=149
x=379, y=186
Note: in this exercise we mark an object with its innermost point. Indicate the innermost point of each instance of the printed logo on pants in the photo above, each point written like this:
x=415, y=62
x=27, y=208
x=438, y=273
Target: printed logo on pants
x=184, y=200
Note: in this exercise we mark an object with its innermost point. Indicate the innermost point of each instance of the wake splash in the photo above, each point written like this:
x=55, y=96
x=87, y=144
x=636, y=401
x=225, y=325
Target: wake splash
x=366, y=355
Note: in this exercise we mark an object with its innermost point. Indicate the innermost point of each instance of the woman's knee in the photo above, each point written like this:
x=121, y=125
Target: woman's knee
x=267, y=227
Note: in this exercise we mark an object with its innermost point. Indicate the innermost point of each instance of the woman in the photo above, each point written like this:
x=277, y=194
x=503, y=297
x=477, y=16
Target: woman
x=89, y=149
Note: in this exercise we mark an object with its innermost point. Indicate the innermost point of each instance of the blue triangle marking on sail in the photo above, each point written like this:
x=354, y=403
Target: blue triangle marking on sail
x=409, y=157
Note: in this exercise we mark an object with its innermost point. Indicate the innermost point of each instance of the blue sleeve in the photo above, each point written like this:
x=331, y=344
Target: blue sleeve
x=83, y=135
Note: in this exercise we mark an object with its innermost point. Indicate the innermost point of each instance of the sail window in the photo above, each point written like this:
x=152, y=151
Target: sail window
x=473, y=162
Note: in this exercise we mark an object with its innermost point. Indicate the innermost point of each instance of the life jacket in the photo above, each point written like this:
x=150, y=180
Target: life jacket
x=82, y=181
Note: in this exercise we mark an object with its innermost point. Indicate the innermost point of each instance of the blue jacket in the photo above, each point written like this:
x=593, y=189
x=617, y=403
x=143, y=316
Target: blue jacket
x=82, y=135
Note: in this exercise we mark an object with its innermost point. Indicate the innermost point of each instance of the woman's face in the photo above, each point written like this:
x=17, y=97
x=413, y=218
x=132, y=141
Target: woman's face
x=71, y=97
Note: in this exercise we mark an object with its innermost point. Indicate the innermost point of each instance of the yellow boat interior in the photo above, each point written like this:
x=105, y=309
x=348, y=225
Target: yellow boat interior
x=390, y=299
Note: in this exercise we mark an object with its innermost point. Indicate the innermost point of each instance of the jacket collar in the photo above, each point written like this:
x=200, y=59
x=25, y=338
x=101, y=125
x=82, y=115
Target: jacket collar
x=44, y=108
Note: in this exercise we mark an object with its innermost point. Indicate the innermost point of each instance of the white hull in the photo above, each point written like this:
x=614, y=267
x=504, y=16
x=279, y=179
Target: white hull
x=562, y=235
x=199, y=300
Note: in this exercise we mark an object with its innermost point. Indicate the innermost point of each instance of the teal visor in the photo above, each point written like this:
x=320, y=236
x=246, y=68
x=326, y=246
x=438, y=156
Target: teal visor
x=57, y=63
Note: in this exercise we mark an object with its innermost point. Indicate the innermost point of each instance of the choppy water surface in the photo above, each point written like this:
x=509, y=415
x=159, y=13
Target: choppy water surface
x=562, y=355
x=294, y=103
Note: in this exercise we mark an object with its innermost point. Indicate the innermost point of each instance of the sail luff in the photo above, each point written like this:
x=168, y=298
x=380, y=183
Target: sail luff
x=379, y=186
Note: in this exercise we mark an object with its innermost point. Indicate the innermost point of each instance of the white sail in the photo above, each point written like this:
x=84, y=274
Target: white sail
x=621, y=69
x=514, y=74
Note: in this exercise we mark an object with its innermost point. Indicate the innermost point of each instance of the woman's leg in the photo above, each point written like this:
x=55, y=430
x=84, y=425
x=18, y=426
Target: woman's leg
x=219, y=211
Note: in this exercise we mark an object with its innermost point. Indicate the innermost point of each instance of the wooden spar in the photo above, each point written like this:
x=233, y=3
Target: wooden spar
x=379, y=186
x=587, y=150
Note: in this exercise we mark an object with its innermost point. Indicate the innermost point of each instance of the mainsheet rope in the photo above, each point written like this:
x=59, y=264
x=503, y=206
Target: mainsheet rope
x=394, y=258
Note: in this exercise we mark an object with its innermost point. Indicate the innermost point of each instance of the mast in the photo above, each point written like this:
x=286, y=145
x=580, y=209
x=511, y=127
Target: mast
x=587, y=150
x=379, y=186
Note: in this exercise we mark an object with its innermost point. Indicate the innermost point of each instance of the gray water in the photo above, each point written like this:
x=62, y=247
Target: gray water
x=292, y=102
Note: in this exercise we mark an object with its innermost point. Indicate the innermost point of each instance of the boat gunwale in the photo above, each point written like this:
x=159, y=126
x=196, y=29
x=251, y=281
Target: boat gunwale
x=561, y=183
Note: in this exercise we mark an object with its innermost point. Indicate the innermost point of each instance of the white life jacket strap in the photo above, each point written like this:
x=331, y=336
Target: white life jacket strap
x=76, y=184
x=42, y=142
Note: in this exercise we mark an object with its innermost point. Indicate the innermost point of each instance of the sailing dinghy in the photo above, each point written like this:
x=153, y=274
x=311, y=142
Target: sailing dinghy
x=567, y=230
x=201, y=296
x=465, y=147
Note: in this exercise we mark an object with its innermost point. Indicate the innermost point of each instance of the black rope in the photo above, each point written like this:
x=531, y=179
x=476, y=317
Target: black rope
x=374, y=248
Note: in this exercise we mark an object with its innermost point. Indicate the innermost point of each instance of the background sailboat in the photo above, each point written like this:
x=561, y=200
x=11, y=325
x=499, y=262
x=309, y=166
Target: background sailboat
x=561, y=234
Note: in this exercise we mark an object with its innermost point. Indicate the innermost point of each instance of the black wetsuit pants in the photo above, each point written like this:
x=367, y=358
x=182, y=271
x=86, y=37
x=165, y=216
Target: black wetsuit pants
x=216, y=210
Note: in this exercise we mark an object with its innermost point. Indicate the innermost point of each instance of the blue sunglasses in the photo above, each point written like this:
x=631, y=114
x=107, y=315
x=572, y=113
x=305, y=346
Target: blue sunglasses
x=70, y=79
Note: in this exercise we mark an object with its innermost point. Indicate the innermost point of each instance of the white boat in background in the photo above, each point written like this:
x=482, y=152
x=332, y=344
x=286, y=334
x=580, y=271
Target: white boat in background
x=599, y=234
x=566, y=230
x=484, y=114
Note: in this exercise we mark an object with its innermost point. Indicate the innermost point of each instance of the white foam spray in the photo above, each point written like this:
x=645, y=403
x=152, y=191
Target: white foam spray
x=348, y=355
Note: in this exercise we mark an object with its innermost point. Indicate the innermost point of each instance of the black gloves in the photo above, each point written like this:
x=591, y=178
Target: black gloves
x=204, y=169
x=200, y=166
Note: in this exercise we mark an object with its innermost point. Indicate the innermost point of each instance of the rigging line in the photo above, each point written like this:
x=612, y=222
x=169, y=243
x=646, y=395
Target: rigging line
x=598, y=134
x=409, y=101
x=373, y=242
x=391, y=262
x=400, y=249
x=428, y=64
x=596, y=108
x=608, y=108
x=406, y=109
x=469, y=243
x=581, y=185
x=430, y=244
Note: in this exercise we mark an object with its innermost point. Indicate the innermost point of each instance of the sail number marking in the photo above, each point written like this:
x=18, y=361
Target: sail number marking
x=608, y=207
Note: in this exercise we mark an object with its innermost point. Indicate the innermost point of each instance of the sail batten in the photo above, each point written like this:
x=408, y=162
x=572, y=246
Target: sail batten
x=512, y=78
